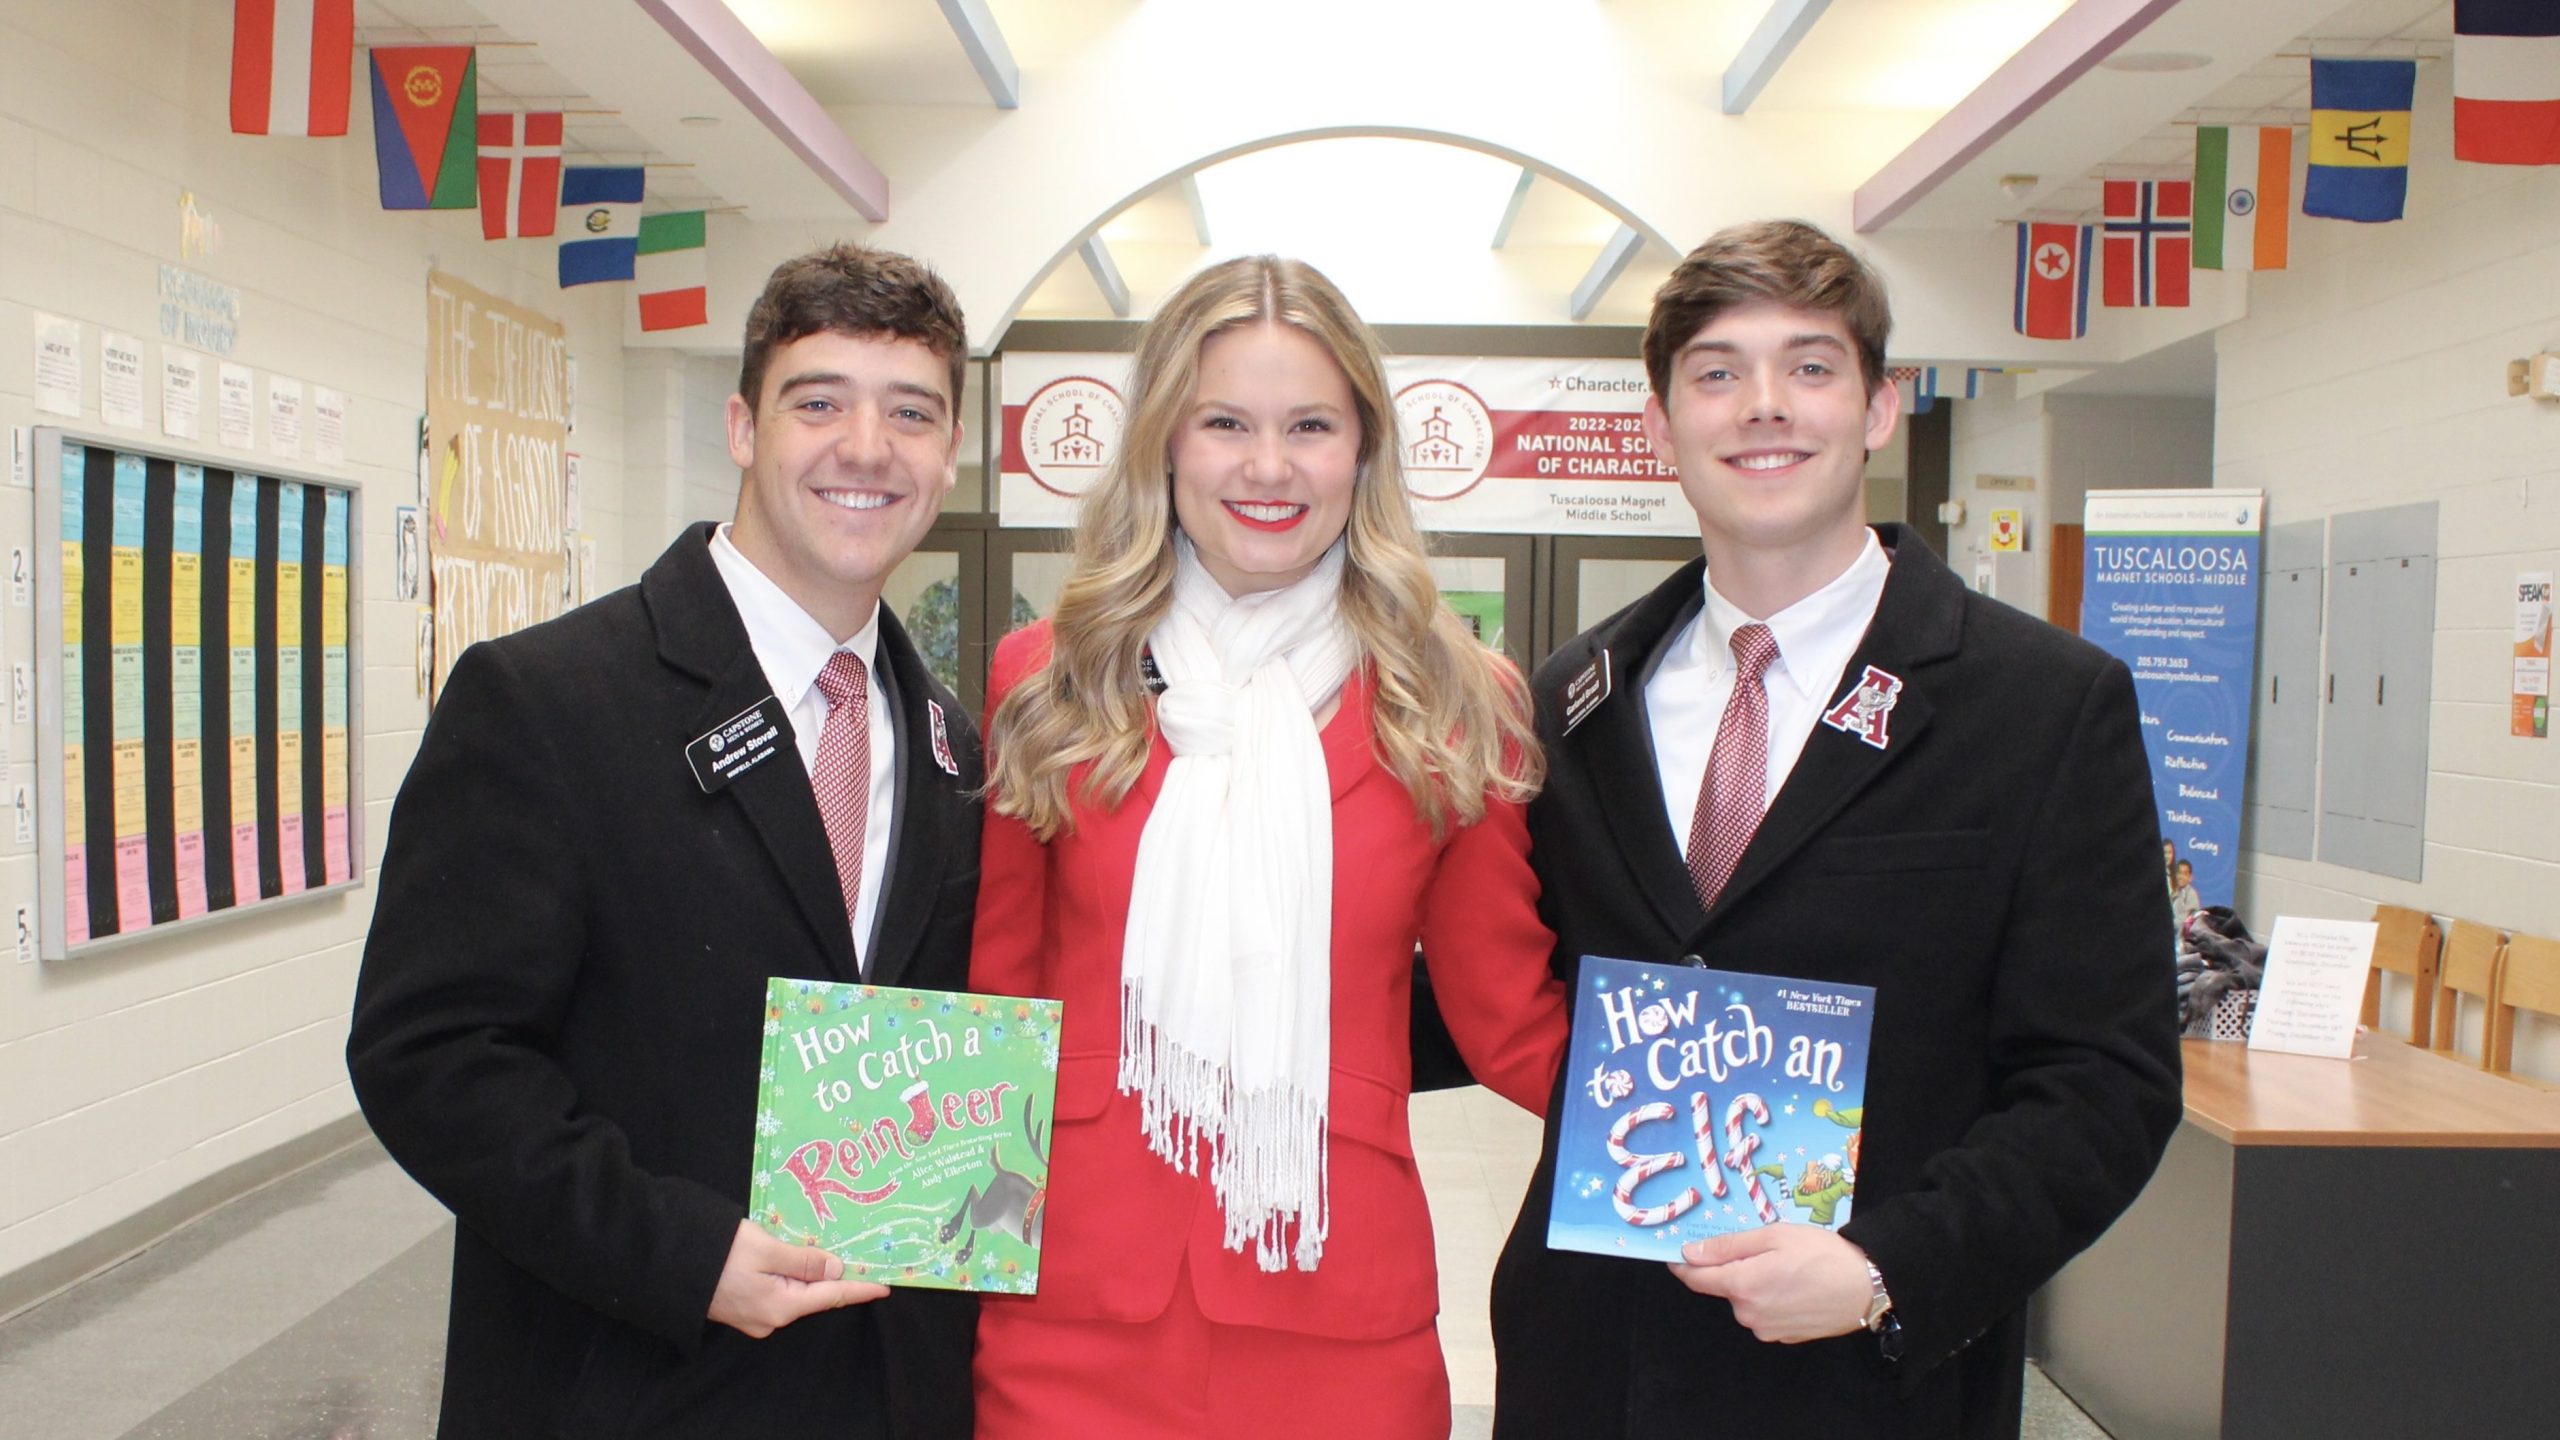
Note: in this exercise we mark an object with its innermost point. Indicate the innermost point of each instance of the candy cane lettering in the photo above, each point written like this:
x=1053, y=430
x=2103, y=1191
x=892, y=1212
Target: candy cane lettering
x=1740, y=1147
x=1702, y=1123
x=1640, y=1168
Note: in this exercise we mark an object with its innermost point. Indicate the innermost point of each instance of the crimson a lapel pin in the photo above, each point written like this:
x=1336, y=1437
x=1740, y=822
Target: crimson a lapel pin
x=941, y=739
x=1863, y=711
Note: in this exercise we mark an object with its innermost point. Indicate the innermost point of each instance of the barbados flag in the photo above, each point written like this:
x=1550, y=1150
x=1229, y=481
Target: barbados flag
x=2359, y=139
x=426, y=125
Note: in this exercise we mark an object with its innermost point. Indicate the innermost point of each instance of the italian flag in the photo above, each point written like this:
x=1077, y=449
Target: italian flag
x=673, y=276
x=2250, y=171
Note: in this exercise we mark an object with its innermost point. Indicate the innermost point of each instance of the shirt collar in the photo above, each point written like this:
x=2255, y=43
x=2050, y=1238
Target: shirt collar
x=1816, y=635
x=790, y=644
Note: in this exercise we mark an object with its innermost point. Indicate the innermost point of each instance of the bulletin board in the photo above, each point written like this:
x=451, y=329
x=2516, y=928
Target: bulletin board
x=196, y=690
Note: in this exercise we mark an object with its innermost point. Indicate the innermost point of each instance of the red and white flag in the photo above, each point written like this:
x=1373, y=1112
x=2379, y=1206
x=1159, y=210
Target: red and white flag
x=519, y=174
x=2052, y=300
x=2506, y=82
x=292, y=66
x=2150, y=240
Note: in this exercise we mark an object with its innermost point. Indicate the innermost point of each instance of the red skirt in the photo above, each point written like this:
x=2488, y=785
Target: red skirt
x=1183, y=1375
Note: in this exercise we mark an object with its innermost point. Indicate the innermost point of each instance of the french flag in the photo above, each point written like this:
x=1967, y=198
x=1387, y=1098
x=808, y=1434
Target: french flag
x=292, y=66
x=2506, y=82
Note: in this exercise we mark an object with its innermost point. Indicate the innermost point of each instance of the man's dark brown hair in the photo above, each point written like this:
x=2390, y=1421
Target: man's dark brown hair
x=1788, y=261
x=853, y=290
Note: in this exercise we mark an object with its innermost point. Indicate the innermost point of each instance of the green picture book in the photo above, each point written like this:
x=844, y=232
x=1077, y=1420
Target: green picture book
x=907, y=1131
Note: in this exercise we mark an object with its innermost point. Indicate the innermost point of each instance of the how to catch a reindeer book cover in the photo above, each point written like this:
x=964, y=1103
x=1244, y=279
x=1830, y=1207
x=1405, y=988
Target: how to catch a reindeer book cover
x=1701, y=1102
x=907, y=1131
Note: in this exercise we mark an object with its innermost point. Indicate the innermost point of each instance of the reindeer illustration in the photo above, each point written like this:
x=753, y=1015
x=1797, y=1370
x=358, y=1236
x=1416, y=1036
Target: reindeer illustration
x=1010, y=1203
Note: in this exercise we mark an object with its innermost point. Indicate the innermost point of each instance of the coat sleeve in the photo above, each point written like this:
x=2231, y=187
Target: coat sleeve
x=2083, y=1053
x=1013, y=865
x=470, y=965
x=1488, y=953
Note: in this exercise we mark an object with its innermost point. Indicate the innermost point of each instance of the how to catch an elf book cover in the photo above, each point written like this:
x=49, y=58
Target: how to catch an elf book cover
x=907, y=1131
x=1701, y=1102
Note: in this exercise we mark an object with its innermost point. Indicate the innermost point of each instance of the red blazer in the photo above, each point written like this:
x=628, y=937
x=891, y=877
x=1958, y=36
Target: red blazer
x=1121, y=1221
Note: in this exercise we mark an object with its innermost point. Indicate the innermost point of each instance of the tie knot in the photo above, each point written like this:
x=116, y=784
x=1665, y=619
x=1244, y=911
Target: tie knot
x=1754, y=649
x=841, y=679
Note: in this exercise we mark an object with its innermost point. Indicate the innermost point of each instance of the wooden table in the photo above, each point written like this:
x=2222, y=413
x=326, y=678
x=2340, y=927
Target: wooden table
x=2348, y=1248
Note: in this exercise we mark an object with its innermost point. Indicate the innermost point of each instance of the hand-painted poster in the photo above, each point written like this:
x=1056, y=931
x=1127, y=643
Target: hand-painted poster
x=2172, y=591
x=497, y=421
x=1507, y=446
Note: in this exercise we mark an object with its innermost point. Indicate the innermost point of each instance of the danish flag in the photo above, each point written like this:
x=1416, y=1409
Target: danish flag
x=519, y=174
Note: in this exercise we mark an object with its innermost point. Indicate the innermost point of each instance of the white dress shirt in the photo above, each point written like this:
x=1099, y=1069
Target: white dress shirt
x=1685, y=697
x=793, y=647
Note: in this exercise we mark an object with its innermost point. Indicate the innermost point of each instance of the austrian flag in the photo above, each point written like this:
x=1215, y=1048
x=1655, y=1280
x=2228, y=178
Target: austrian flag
x=292, y=66
x=2506, y=81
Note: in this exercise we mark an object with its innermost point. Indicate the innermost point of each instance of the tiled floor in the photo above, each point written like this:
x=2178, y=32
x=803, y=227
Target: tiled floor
x=314, y=1310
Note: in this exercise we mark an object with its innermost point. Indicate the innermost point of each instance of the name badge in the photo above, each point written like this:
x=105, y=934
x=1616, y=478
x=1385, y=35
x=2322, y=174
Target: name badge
x=739, y=744
x=1584, y=692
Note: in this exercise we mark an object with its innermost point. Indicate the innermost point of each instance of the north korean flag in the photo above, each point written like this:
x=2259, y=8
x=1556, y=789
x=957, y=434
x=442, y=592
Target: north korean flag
x=2150, y=241
x=2053, y=281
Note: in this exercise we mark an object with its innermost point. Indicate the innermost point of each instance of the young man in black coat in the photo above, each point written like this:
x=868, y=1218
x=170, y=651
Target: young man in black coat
x=1814, y=753
x=558, y=1027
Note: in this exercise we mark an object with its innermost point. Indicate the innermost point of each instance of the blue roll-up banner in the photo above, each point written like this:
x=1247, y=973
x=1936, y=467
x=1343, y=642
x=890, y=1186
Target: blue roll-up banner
x=2171, y=589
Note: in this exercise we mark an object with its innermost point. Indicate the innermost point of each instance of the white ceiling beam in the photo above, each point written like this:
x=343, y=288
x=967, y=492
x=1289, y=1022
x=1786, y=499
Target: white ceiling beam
x=1199, y=208
x=988, y=54
x=1511, y=207
x=731, y=53
x=1614, y=259
x=1106, y=275
x=1768, y=48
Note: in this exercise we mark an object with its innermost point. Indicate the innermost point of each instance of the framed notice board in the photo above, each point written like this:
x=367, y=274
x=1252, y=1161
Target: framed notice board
x=196, y=681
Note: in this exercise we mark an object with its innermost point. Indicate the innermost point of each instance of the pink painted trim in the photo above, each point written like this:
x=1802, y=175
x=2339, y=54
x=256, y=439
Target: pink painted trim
x=2044, y=67
x=739, y=61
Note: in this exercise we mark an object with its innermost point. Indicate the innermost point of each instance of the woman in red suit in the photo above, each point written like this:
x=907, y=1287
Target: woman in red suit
x=1249, y=761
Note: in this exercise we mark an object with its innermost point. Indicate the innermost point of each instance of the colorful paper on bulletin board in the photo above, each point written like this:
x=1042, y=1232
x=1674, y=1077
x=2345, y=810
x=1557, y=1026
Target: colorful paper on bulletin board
x=497, y=427
x=2171, y=589
x=1489, y=444
x=2531, y=717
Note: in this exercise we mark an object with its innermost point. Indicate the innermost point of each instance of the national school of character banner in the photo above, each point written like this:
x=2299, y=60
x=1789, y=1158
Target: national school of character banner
x=1525, y=447
x=2171, y=589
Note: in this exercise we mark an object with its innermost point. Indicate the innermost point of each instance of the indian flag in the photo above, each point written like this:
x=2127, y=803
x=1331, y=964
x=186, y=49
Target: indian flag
x=673, y=276
x=2251, y=170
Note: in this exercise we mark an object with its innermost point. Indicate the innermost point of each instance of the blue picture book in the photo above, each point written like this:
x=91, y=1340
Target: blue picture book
x=1701, y=1102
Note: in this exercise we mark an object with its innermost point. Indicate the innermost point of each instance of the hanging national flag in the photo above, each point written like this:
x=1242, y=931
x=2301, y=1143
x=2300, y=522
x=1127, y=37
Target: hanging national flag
x=602, y=206
x=2149, y=240
x=1974, y=375
x=2053, y=281
x=674, y=278
x=2250, y=172
x=519, y=174
x=2506, y=82
x=1915, y=387
x=2359, y=139
x=426, y=107
x=292, y=64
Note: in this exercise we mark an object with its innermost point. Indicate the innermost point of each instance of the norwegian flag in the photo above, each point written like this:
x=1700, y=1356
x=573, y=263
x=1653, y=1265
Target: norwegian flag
x=519, y=174
x=292, y=66
x=2150, y=241
x=2052, y=301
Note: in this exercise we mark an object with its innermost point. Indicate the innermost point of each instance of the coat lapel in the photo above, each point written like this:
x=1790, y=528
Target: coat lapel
x=1918, y=620
x=1614, y=746
x=929, y=798
x=700, y=634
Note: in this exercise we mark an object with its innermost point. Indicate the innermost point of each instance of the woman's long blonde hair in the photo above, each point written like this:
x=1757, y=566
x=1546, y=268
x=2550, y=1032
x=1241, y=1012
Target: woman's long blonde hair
x=1450, y=716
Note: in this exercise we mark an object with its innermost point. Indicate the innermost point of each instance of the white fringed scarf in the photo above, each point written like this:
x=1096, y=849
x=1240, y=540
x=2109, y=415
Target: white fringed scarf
x=1226, y=984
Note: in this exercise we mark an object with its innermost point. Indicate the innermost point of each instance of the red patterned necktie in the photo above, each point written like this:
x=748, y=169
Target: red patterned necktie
x=842, y=776
x=1736, y=789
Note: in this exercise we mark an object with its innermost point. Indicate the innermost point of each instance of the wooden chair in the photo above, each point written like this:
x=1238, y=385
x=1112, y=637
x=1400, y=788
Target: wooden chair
x=2407, y=942
x=2473, y=954
x=2531, y=982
